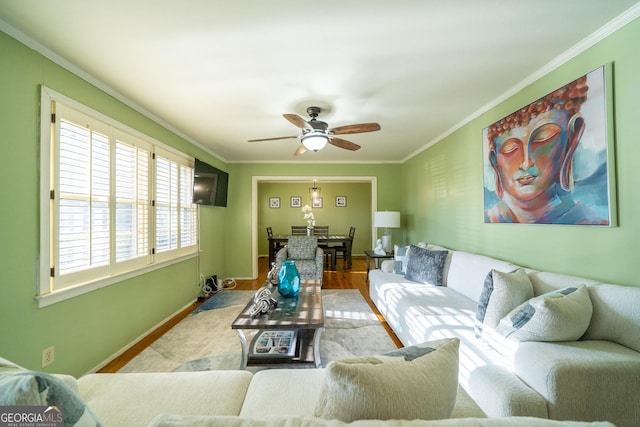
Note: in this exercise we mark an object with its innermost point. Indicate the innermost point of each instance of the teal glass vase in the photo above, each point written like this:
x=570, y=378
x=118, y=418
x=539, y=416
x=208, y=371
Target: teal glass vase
x=288, y=279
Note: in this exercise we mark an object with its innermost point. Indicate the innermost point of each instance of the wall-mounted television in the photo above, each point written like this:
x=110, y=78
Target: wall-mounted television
x=210, y=185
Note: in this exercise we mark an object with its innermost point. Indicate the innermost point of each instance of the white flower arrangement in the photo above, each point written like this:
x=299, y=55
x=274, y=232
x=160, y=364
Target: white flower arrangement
x=308, y=216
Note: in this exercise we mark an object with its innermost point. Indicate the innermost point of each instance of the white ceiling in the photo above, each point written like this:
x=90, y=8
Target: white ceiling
x=222, y=72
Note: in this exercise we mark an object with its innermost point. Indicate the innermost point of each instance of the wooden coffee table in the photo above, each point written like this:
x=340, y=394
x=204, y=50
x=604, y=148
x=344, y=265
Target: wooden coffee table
x=303, y=314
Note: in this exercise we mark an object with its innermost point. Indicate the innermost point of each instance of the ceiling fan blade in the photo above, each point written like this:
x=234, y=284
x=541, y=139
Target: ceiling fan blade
x=301, y=149
x=358, y=128
x=296, y=120
x=343, y=143
x=271, y=139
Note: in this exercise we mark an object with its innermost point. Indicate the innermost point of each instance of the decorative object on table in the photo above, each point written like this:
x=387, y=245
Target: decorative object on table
x=386, y=220
x=379, y=250
x=574, y=180
x=272, y=275
x=296, y=201
x=288, y=279
x=274, y=202
x=341, y=201
x=310, y=218
x=263, y=302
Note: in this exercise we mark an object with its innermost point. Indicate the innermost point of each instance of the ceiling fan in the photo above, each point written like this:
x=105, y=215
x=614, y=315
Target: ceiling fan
x=316, y=134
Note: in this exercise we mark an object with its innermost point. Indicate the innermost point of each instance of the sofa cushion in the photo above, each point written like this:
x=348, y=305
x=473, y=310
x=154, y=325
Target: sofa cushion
x=426, y=266
x=561, y=315
x=468, y=271
x=616, y=316
x=418, y=382
x=502, y=292
x=145, y=395
x=21, y=387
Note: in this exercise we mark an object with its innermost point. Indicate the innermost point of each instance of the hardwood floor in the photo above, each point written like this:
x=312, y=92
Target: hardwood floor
x=356, y=278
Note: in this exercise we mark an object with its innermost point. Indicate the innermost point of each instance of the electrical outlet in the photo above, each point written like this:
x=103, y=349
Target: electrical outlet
x=47, y=356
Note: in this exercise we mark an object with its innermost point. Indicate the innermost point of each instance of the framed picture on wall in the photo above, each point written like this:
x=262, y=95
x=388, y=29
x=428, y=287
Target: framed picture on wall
x=316, y=202
x=296, y=202
x=341, y=201
x=274, y=202
x=552, y=162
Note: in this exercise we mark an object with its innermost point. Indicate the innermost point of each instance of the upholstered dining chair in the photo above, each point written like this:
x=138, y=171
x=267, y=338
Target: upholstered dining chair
x=309, y=258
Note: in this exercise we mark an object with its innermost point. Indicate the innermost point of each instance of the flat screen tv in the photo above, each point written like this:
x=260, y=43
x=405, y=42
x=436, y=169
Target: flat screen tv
x=210, y=185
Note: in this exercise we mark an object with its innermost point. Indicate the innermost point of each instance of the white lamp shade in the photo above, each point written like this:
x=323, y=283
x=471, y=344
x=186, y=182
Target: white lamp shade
x=314, y=141
x=386, y=219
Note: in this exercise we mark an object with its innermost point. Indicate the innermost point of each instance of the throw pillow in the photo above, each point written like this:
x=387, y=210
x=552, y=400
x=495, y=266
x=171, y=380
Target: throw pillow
x=418, y=382
x=426, y=266
x=21, y=387
x=561, y=315
x=400, y=259
x=502, y=292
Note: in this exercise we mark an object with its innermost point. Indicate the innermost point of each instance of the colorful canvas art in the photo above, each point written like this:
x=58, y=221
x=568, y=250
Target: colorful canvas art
x=551, y=161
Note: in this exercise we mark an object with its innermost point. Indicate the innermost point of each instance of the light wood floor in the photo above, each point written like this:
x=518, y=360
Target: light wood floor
x=356, y=278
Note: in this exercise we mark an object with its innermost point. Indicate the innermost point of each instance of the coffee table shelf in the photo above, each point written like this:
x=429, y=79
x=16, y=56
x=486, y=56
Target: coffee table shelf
x=304, y=313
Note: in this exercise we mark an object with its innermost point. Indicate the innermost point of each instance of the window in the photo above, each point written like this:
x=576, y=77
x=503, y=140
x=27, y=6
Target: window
x=115, y=202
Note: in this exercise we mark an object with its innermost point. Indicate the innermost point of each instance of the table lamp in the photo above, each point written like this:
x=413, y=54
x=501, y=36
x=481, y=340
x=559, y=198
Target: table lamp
x=386, y=220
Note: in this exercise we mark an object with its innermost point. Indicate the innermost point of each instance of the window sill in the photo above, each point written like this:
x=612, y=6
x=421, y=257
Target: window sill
x=64, y=294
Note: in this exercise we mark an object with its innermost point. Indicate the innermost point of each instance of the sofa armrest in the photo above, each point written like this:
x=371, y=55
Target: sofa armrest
x=583, y=380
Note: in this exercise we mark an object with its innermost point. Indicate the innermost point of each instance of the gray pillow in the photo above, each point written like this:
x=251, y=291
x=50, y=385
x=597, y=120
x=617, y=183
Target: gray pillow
x=21, y=387
x=418, y=382
x=426, y=266
x=501, y=293
x=561, y=315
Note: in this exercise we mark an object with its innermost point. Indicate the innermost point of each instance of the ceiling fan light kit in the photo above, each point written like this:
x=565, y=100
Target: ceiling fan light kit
x=316, y=134
x=314, y=140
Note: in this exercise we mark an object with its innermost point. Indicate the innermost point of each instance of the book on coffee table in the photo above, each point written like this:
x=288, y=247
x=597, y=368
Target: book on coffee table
x=274, y=343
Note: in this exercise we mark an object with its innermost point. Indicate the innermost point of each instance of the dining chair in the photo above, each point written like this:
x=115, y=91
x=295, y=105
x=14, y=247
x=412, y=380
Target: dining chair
x=343, y=249
x=276, y=245
x=321, y=230
x=298, y=230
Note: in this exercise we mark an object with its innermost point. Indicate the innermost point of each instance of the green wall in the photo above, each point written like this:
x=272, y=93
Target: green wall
x=357, y=213
x=239, y=231
x=88, y=329
x=442, y=201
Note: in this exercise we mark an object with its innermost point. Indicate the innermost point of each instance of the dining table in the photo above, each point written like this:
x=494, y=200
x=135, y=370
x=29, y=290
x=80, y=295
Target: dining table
x=282, y=239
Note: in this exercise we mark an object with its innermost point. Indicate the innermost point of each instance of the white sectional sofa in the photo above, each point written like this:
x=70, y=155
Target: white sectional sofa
x=269, y=398
x=595, y=377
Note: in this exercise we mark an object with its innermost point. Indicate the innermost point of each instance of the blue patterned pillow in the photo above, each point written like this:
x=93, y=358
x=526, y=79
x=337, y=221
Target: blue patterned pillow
x=426, y=266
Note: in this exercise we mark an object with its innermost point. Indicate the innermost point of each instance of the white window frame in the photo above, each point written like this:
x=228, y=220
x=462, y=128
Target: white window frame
x=47, y=292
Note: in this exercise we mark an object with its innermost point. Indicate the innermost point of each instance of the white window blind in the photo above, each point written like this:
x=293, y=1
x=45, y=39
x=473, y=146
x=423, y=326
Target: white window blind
x=119, y=201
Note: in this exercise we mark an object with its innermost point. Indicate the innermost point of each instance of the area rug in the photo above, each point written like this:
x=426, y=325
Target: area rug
x=205, y=341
